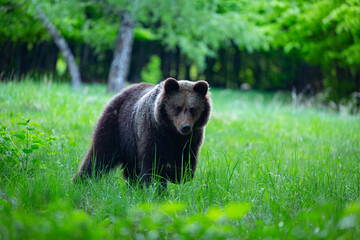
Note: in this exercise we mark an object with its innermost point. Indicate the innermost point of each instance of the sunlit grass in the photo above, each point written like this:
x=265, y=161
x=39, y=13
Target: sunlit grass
x=284, y=161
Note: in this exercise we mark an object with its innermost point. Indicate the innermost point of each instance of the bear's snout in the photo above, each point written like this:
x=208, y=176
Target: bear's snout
x=185, y=129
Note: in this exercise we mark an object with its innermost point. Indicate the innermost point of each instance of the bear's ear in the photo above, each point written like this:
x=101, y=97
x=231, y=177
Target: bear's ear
x=171, y=85
x=201, y=87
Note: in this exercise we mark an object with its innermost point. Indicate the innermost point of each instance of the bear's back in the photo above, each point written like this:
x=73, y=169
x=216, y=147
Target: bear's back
x=130, y=96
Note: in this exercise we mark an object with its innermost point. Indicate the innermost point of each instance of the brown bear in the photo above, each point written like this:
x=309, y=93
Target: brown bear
x=151, y=130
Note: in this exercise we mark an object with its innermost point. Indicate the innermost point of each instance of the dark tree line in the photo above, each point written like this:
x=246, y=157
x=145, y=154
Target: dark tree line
x=232, y=67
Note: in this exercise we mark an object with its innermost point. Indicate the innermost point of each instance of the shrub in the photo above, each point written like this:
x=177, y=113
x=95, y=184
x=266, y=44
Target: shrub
x=152, y=72
x=18, y=147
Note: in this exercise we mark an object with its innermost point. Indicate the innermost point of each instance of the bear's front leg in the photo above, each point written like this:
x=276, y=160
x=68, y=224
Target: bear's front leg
x=150, y=167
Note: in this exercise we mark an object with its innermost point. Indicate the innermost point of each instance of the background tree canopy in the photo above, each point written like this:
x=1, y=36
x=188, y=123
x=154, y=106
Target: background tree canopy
x=269, y=45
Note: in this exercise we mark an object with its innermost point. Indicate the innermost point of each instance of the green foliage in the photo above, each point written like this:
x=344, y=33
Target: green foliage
x=18, y=147
x=199, y=29
x=17, y=23
x=68, y=16
x=278, y=35
x=144, y=34
x=167, y=220
x=152, y=221
x=195, y=26
x=324, y=33
x=58, y=221
x=61, y=66
x=152, y=72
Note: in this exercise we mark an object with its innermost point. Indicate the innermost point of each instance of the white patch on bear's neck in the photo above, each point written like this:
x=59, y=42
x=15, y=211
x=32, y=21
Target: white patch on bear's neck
x=140, y=107
x=157, y=107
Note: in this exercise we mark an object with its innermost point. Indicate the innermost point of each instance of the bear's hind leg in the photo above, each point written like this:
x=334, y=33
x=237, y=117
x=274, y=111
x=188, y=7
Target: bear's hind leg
x=95, y=166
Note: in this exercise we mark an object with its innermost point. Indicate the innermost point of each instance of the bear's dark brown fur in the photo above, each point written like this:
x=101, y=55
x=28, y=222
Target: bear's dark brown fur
x=151, y=129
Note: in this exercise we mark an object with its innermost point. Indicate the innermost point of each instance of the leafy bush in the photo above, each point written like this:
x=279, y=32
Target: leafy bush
x=18, y=147
x=152, y=72
x=170, y=221
x=58, y=221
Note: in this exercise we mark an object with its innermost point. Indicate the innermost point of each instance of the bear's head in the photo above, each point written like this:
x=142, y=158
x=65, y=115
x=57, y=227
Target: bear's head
x=183, y=105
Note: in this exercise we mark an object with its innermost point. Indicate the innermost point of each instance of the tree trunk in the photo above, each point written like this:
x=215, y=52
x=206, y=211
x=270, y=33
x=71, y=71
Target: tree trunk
x=122, y=55
x=64, y=48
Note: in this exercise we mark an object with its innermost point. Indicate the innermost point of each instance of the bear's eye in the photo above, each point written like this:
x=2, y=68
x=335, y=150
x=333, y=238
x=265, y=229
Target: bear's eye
x=178, y=110
x=192, y=111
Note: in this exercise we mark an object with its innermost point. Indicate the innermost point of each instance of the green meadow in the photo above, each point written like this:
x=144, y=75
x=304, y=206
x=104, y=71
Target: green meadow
x=270, y=167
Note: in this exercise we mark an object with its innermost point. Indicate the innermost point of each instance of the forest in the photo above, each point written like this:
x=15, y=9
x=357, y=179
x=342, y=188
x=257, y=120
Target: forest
x=281, y=154
x=309, y=46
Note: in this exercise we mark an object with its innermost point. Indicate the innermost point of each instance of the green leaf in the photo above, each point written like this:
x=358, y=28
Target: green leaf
x=39, y=143
x=172, y=207
x=237, y=210
x=353, y=208
x=144, y=34
x=36, y=161
x=27, y=150
x=214, y=213
x=144, y=207
x=34, y=146
x=20, y=136
x=34, y=124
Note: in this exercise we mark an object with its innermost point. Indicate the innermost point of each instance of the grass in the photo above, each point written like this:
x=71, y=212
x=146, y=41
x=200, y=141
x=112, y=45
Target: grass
x=268, y=169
